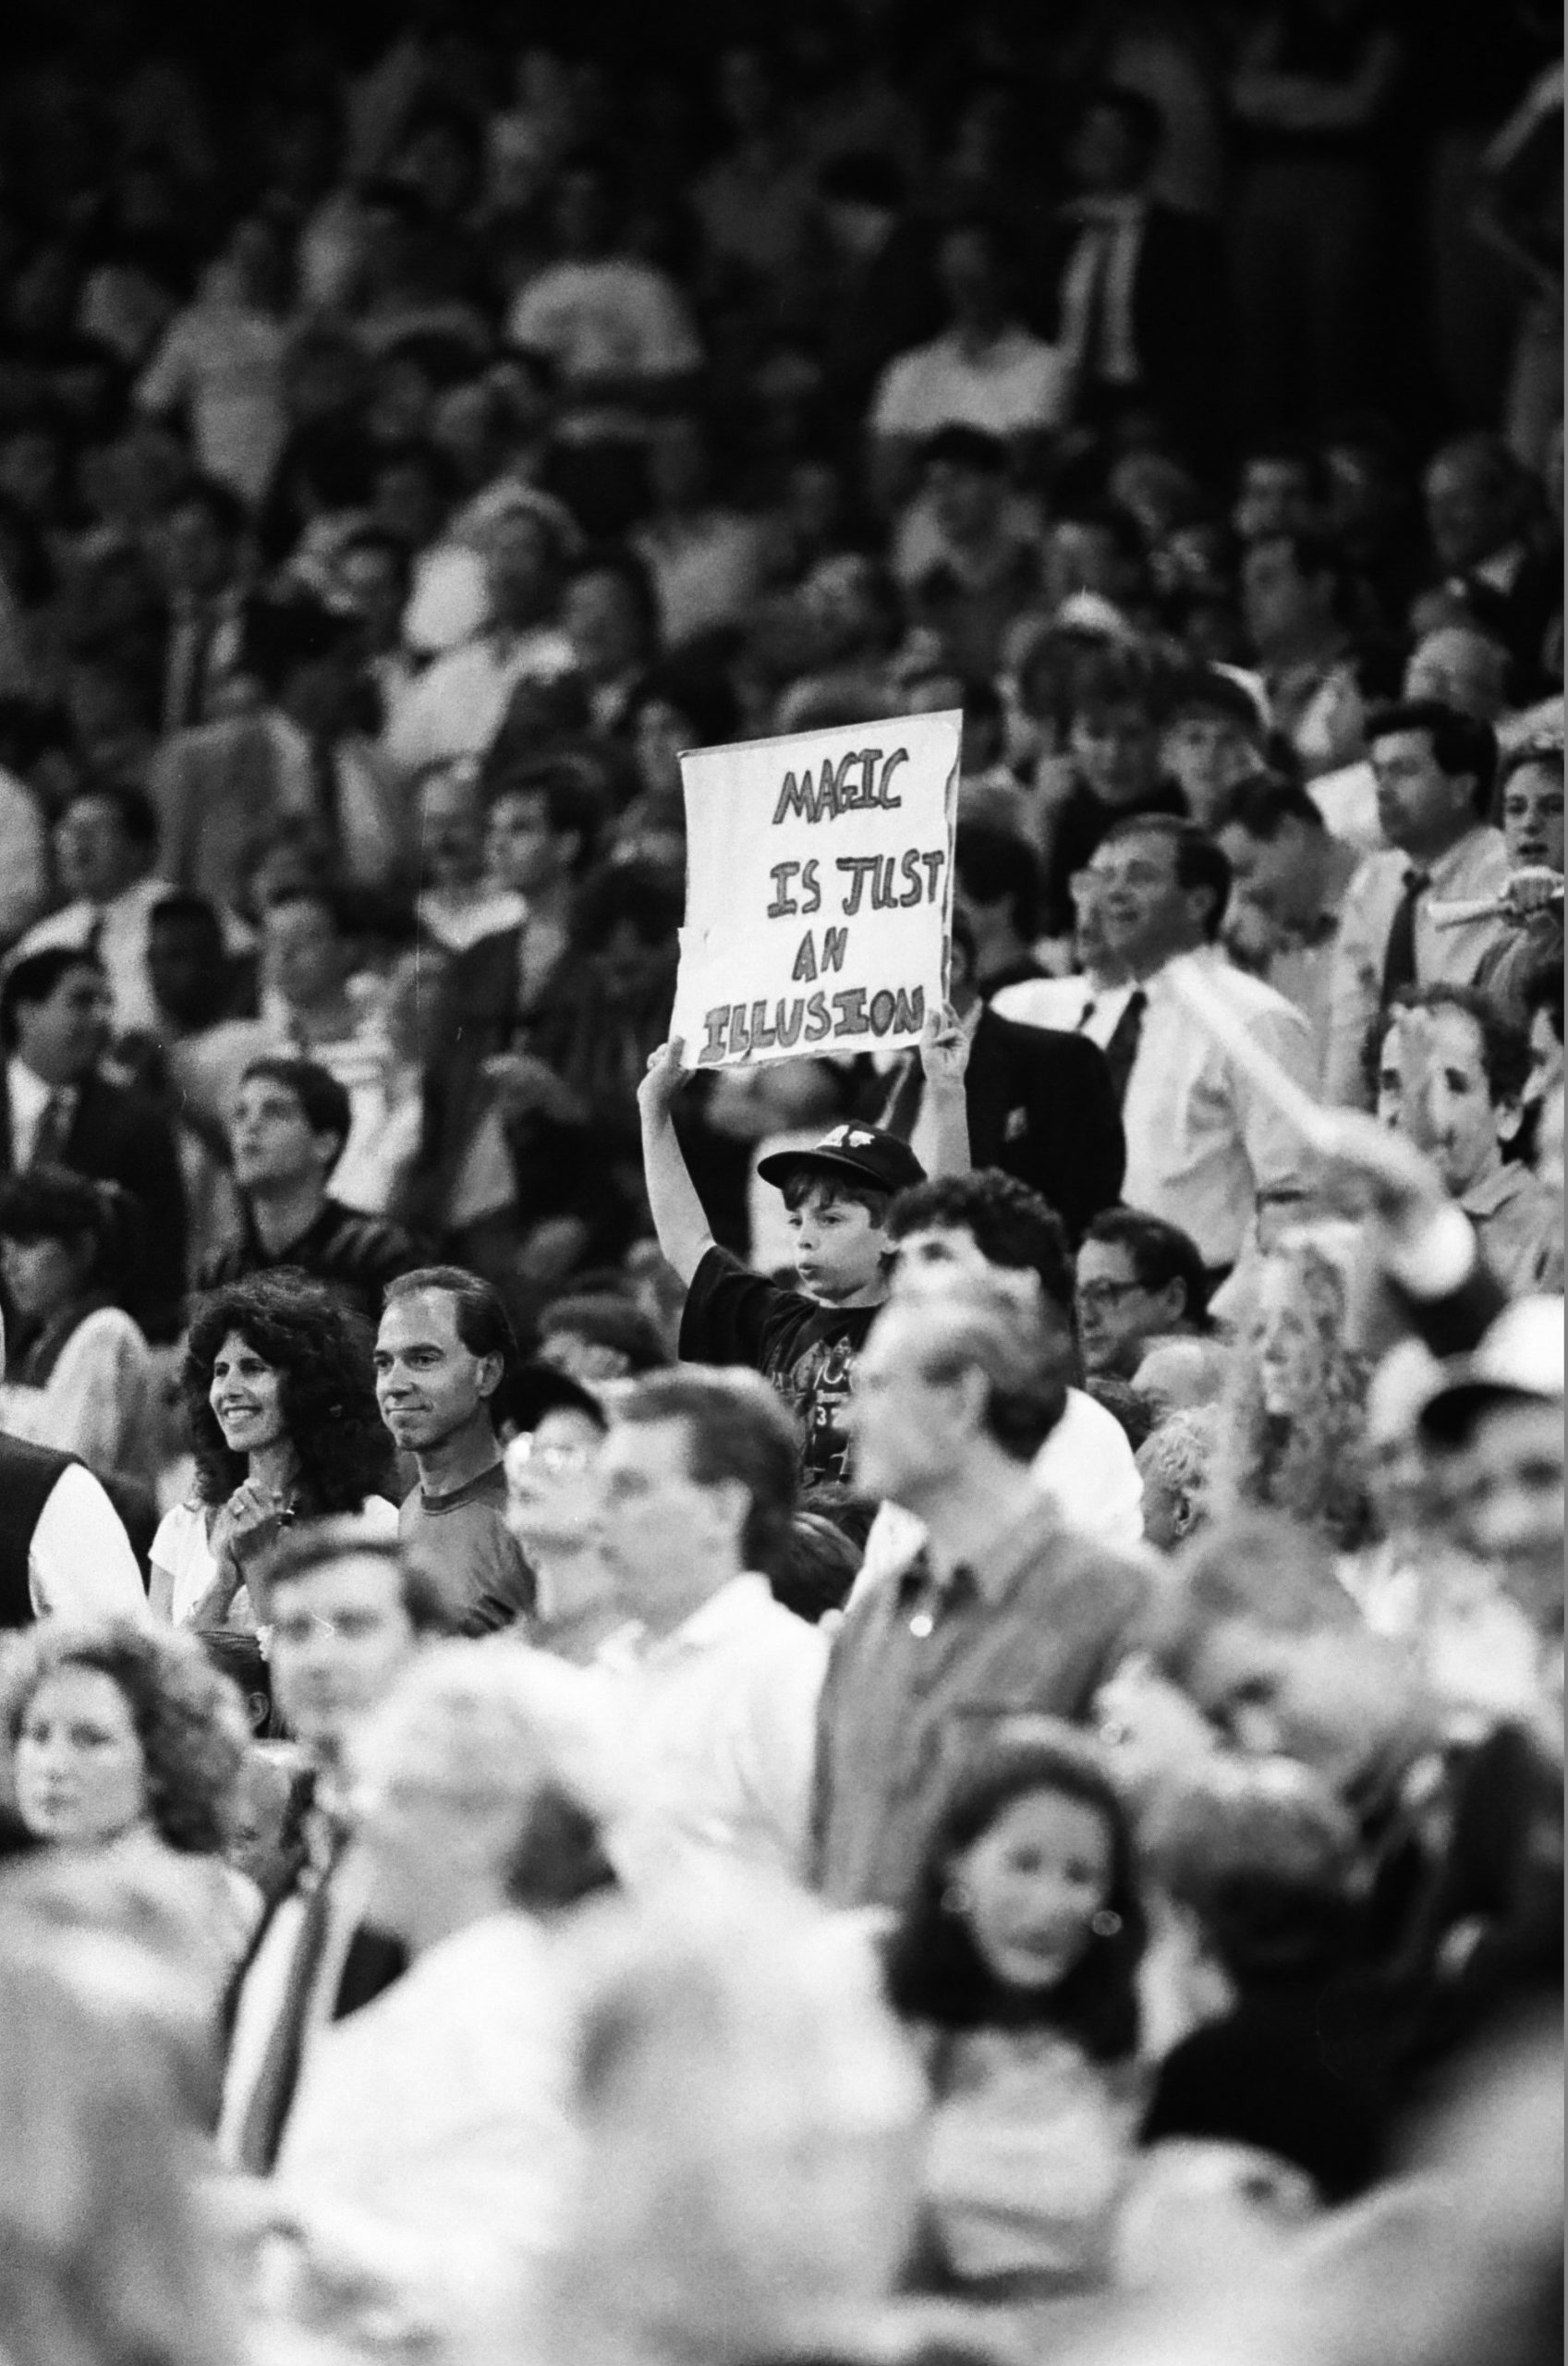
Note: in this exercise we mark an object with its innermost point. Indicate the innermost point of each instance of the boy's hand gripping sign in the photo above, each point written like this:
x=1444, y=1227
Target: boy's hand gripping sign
x=819, y=891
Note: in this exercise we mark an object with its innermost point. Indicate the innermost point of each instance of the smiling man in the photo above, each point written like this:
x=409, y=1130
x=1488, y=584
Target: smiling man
x=1467, y=1068
x=1206, y=1152
x=105, y=844
x=443, y=1348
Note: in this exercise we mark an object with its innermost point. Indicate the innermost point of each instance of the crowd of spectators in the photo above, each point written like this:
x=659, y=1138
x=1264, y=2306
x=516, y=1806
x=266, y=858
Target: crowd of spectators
x=890, y=1708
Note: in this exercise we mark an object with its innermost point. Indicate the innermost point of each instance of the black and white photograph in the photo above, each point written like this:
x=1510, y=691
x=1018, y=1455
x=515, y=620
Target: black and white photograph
x=782, y=1183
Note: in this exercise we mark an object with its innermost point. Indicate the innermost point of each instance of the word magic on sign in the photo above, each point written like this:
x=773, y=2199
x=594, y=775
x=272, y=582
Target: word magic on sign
x=819, y=890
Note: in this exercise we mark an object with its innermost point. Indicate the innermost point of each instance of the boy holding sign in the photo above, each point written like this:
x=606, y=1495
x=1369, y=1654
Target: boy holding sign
x=838, y=1194
x=818, y=907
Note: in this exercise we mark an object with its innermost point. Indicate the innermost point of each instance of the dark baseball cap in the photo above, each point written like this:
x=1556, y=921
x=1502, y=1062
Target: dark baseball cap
x=1521, y=1357
x=864, y=1152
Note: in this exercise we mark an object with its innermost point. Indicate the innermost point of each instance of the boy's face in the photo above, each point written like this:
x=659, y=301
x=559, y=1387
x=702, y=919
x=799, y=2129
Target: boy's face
x=1206, y=753
x=1116, y=750
x=839, y=1247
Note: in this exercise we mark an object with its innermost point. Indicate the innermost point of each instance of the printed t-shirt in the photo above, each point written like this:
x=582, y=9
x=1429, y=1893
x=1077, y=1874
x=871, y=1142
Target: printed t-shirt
x=806, y=1350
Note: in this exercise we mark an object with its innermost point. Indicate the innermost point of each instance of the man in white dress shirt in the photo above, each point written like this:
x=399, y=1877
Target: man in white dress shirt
x=987, y=371
x=24, y=857
x=1290, y=880
x=719, y=1700
x=1089, y=1002
x=1205, y=1150
x=63, y=1550
x=105, y=842
x=455, y=707
x=1434, y=769
x=989, y=1227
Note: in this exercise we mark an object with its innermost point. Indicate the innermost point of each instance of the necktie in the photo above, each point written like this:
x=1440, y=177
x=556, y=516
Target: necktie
x=261, y=2129
x=53, y=1133
x=187, y=678
x=1097, y=300
x=902, y=1110
x=1123, y=1049
x=324, y=789
x=1399, y=958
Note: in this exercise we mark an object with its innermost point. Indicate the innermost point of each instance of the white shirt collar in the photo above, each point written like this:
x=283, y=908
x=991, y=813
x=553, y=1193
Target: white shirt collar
x=29, y=1094
x=1112, y=212
x=1450, y=868
x=1156, y=984
x=724, y=1614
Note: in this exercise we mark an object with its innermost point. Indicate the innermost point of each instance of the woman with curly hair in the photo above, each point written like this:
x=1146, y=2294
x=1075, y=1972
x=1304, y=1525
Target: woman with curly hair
x=125, y=1748
x=1292, y=1422
x=280, y=1394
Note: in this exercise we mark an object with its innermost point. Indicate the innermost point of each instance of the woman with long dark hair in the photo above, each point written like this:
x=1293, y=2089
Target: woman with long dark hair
x=1015, y=1961
x=280, y=1395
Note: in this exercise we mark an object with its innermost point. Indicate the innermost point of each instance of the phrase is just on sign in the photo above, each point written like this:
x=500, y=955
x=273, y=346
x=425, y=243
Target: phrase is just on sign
x=819, y=890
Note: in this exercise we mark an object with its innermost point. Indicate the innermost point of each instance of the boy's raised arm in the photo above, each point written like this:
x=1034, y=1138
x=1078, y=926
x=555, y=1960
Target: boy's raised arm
x=679, y=1217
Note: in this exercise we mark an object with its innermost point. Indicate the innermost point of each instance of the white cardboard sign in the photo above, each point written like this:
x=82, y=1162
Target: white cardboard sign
x=818, y=893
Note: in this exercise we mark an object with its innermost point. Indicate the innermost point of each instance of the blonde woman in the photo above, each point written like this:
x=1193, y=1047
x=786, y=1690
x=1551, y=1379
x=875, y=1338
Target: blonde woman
x=1291, y=1426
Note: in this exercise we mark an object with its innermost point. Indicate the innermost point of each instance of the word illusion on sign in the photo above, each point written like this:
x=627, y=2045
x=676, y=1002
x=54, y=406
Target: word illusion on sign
x=819, y=890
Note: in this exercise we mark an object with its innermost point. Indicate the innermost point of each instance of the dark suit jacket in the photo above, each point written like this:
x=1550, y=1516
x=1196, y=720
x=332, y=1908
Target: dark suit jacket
x=1040, y=1106
x=482, y=1017
x=1482, y=1855
x=122, y=1137
x=596, y=1034
x=482, y=1011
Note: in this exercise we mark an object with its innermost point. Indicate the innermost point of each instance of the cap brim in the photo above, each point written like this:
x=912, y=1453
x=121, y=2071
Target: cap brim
x=1449, y=1417
x=785, y=1163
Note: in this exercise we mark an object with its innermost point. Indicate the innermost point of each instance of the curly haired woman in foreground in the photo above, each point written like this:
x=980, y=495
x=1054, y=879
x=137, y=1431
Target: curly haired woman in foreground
x=123, y=1753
